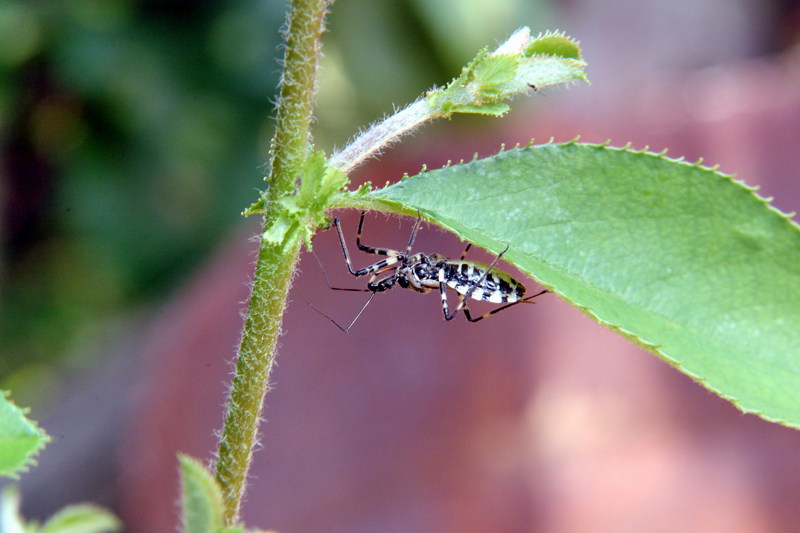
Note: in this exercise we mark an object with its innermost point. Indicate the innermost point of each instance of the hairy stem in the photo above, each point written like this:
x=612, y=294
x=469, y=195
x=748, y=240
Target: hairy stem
x=381, y=135
x=275, y=264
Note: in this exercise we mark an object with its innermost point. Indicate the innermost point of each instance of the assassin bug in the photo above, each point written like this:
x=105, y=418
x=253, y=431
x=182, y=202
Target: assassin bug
x=424, y=273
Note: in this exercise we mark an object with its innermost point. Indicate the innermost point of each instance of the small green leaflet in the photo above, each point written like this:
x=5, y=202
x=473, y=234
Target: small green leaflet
x=79, y=518
x=301, y=213
x=491, y=78
x=20, y=438
x=202, y=506
x=201, y=498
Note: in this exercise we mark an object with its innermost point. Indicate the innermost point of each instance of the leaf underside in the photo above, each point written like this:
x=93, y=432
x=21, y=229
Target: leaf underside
x=678, y=258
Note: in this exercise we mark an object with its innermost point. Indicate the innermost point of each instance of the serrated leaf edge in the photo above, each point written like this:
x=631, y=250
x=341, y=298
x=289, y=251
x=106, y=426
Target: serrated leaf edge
x=31, y=458
x=636, y=339
x=628, y=148
x=699, y=164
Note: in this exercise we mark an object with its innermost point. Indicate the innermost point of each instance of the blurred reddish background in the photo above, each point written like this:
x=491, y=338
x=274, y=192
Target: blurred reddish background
x=538, y=419
x=535, y=420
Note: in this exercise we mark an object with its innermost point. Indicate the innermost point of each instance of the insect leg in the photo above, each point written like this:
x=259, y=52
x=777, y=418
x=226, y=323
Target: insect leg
x=413, y=234
x=493, y=311
x=443, y=292
x=393, y=256
x=328, y=281
x=462, y=301
x=380, y=286
x=371, y=249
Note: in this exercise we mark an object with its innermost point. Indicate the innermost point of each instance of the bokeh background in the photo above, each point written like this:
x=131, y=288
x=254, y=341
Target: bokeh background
x=133, y=133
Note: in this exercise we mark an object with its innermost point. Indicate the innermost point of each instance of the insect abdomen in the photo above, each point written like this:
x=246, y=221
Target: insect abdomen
x=496, y=287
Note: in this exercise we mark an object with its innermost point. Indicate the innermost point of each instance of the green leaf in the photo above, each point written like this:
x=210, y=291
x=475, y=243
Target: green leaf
x=259, y=206
x=556, y=44
x=82, y=518
x=302, y=213
x=490, y=79
x=20, y=438
x=676, y=257
x=319, y=182
x=202, y=505
x=278, y=232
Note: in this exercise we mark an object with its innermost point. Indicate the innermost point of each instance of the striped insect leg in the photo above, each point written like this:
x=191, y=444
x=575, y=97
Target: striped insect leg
x=493, y=311
x=393, y=255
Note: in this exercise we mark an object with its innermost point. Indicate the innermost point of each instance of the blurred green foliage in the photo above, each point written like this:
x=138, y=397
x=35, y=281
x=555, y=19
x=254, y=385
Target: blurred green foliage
x=134, y=133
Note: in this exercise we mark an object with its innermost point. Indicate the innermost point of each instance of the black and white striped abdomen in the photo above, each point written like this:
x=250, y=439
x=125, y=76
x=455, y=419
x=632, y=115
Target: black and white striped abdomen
x=497, y=287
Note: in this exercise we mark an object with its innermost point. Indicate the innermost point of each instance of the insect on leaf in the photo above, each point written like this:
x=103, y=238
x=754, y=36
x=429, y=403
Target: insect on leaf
x=676, y=257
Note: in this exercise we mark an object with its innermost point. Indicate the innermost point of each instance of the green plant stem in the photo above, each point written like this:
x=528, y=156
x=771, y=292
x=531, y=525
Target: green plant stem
x=290, y=148
x=253, y=366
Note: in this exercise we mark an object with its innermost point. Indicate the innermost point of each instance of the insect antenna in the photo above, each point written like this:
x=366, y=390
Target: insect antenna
x=344, y=329
x=497, y=310
x=349, y=289
x=328, y=282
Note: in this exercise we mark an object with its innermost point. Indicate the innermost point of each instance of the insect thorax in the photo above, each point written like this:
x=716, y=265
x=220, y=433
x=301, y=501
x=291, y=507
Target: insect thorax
x=421, y=273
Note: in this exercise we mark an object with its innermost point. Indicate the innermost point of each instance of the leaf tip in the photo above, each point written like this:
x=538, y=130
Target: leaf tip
x=26, y=437
x=516, y=43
